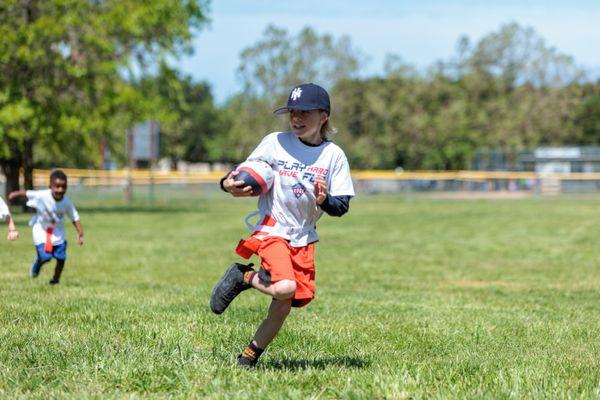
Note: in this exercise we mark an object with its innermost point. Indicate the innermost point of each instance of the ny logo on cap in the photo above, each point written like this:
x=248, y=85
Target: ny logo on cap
x=296, y=93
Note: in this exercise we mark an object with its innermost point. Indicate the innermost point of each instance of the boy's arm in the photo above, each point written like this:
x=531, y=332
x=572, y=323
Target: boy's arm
x=16, y=194
x=336, y=206
x=13, y=234
x=79, y=228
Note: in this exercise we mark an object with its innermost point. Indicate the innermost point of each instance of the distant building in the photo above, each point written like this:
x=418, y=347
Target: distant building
x=561, y=159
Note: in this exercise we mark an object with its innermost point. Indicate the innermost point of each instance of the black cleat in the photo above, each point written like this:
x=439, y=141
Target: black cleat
x=54, y=281
x=246, y=362
x=229, y=286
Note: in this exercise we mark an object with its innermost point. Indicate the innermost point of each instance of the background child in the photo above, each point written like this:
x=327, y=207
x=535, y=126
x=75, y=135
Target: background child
x=48, y=224
x=13, y=234
x=312, y=176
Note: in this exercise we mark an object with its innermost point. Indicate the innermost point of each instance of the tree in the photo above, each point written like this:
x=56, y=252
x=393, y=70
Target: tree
x=278, y=61
x=185, y=110
x=521, y=91
x=517, y=55
x=507, y=91
x=588, y=115
x=269, y=70
x=66, y=68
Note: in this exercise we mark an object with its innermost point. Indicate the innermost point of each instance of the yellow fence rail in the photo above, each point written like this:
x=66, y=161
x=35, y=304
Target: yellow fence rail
x=90, y=177
x=93, y=177
x=469, y=175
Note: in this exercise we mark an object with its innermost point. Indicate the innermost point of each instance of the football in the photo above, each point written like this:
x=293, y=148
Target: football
x=257, y=174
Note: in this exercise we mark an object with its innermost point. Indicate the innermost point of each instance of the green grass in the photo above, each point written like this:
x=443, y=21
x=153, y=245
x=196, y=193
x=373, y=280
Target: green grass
x=416, y=299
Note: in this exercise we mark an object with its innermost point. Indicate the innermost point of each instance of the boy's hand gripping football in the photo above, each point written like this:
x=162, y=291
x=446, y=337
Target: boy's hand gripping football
x=236, y=188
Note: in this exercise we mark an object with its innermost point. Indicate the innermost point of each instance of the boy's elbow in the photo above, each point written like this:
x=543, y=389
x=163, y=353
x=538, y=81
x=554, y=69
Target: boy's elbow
x=340, y=210
x=336, y=206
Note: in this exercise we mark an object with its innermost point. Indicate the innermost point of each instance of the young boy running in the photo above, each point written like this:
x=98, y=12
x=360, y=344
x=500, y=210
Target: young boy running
x=312, y=176
x=13, y=234
x=48, y=224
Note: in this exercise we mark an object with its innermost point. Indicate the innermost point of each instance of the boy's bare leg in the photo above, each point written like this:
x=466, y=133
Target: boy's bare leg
x=60, y=264
x=282, y=293
x=280, y=290
x=278, y=311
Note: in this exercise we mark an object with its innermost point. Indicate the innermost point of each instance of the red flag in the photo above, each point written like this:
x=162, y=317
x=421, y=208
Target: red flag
x=48, y=246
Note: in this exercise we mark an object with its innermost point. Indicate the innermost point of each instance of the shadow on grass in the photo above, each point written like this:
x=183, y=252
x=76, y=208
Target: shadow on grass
x=319, y=363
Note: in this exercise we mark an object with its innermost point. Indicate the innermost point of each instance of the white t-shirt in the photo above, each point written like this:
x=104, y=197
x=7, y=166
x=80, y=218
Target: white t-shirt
x=50, y=213
x=4, y=211
x=291, y=202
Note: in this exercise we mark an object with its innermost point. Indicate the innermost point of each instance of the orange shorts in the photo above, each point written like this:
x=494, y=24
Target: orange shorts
x=281, y=261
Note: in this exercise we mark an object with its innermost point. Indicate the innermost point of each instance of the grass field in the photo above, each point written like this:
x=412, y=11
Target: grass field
x=416, y=299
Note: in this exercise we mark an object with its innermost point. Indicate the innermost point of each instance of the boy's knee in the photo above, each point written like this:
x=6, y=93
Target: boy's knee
x=44, y=258
x=280, y=309
x=284, y=289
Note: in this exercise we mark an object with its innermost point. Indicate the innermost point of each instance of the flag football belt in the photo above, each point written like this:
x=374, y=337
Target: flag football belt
x=48, y=245
x=249, y=246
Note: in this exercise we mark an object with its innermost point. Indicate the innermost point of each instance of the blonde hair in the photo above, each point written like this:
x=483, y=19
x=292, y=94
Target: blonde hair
x=327, y=129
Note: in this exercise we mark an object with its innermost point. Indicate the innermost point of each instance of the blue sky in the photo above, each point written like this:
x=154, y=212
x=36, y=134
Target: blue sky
x=421, y=32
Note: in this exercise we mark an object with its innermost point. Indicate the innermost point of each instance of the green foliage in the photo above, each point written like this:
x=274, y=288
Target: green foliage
x=509, y=92
x=476, y=299
x=269, y=70
x=246, y=119
x=588, y=117
x=516, y=54
x=75, y=74
x=63, y=71
x=189, y=120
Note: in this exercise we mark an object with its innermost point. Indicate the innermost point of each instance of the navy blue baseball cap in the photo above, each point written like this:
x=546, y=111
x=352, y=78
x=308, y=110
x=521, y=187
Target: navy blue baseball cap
x=306, y=96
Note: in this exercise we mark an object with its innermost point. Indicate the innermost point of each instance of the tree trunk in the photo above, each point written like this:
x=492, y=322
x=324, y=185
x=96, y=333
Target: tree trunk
x=28, y=165
x=10, y=168
x=28, y=170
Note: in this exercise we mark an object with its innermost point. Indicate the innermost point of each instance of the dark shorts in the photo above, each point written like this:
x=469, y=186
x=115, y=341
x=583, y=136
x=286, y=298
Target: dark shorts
x=59, y=252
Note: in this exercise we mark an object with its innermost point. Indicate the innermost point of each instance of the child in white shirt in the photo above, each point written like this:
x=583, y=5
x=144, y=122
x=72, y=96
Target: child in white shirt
x=48, y=224
x=13, y=234
x=312, y=177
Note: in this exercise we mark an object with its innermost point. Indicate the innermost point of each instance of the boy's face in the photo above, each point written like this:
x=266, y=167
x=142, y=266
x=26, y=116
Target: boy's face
x=59, y=188
x=307, y=124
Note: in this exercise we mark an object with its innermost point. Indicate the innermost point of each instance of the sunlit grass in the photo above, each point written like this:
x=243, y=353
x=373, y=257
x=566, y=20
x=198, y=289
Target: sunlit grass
x=416, y=298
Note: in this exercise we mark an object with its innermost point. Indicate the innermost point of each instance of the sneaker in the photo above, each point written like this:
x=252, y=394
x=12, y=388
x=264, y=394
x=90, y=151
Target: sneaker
x=246, y=362
x=54, y=281
x=34, y=271
x=229, y=286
